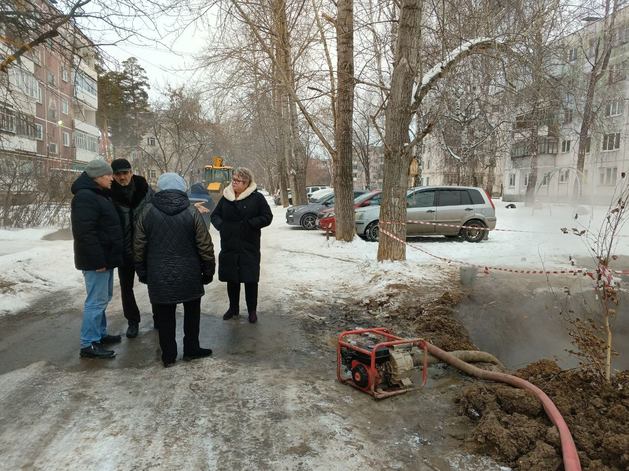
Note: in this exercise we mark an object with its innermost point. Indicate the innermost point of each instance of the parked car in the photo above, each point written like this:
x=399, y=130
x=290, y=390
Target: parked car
x=315, y=196
x=311, y=189
x=325, y=218
x=277, y=198
x=455, y=205
x=306, y=215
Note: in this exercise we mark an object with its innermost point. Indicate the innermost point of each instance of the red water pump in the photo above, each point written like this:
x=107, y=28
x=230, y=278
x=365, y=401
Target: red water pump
x=379, y=363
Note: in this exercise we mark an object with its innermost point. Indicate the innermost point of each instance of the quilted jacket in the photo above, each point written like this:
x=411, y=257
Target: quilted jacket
x=173, y=249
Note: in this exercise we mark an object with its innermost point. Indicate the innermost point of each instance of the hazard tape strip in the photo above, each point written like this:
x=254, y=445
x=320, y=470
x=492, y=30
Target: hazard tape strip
x=426, y=223
x=604, y=270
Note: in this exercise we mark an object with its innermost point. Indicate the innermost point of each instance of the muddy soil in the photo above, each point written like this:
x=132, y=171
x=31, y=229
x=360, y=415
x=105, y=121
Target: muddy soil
x=510, y=425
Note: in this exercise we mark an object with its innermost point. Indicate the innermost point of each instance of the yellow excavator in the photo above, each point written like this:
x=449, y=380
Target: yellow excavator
x=216, y=177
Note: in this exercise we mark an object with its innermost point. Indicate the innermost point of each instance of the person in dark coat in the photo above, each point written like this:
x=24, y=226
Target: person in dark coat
x=97, y=251
x=239, y=217
x=130, y=193
x=199, y=194
x=174, y=256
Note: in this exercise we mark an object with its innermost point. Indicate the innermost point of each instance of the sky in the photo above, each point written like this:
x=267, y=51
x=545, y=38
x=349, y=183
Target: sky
x=32, y=267
x=167, y=62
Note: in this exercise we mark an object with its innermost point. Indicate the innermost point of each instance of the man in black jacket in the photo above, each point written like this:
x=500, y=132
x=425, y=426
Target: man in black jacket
x=97, y=251
x=130, y=194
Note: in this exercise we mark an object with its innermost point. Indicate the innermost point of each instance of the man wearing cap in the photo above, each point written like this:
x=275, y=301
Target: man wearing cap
x=130, y=194
x=97, y=251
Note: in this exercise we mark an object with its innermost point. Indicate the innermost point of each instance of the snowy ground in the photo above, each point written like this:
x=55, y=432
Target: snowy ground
x=31, y=267
x=268, y=398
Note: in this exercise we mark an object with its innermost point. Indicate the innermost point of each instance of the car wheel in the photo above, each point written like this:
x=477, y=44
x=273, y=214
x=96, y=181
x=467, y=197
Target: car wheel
x=372, y=233
x=309, y=222
x=475, y=231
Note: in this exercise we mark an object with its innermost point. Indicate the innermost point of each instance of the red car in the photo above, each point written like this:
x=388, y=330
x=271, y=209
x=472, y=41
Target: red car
x=325, y=218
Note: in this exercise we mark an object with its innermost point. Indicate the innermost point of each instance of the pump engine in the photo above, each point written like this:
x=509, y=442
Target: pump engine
x=380, y=368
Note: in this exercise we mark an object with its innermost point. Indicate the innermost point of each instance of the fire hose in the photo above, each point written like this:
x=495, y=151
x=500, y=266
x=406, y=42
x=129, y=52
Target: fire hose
x=569, y=450
x=392, y=361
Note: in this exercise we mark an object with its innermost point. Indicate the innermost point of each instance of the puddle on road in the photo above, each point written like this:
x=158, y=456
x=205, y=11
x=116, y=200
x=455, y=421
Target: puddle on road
x=517, y=319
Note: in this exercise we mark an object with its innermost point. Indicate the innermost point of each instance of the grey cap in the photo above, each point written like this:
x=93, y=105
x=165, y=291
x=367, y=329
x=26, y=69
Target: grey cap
x=98, y=168
x=171, y=181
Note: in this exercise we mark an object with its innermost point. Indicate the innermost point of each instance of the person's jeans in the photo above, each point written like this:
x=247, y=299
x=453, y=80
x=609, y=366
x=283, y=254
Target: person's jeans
x=126, y=275
x=100, y=289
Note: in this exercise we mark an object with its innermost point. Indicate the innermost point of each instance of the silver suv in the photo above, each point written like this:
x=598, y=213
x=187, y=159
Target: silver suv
x=453, y=205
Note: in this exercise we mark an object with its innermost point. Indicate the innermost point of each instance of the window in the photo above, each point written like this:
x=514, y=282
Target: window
x=548, y=146
x=593, y=47
x=64, y=74
x=52, y=79
x=572, y=54
x=617, y=72
x=39, y=132
x=85, y=83
x=608, y=176
x=611, y=141
x=64, y=107
x=613, y=108
x=453, y=197
x=26, y=83
x=565, y=146
x=36, y=57
x=421, y=199
x=150, y=141
x=7, y=120
x=520, y=150
x=66, y=139
x=567, y=116
x=563, y=176
x=427, y=181
x=525, y=181
x=52, y=147
x=512, y=179
x=25, y=126
x=152, y=174
x=39, y=100
x=52, y=114
x=85, y=141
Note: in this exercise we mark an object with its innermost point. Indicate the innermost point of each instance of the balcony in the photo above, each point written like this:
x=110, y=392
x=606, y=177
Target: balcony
x=85, y=127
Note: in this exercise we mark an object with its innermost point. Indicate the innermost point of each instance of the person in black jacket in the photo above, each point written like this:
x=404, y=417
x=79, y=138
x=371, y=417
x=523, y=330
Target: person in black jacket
x=174, y=256
x=239, y=216
x=97, y=251
x=130, y=194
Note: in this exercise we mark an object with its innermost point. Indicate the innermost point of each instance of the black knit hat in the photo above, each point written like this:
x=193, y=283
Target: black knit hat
x=121, y=165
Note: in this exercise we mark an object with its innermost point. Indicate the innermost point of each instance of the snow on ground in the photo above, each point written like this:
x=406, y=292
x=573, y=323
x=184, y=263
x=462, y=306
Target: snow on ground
x=306, y=260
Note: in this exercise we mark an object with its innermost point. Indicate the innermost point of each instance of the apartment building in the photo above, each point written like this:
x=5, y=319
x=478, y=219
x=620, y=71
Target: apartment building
x=374, y=157
x=606, y=149
x=48, y=102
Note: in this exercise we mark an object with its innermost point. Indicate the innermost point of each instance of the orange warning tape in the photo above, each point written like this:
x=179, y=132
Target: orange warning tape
x=603, y=270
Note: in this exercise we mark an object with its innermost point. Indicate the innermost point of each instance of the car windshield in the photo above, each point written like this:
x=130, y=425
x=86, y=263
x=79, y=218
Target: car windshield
x=364, y=197
x=326, y=197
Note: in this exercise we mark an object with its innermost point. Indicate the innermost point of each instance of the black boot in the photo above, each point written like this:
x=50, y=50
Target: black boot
x=132, y=331
x=197, y=353
x=96, y=351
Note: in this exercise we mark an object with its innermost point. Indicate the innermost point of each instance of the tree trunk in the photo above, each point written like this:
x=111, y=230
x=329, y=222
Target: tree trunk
x=343, y=181
x=397, y=158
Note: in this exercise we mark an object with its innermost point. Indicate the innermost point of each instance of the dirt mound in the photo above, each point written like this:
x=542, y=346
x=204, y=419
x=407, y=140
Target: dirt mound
x=513, y=428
